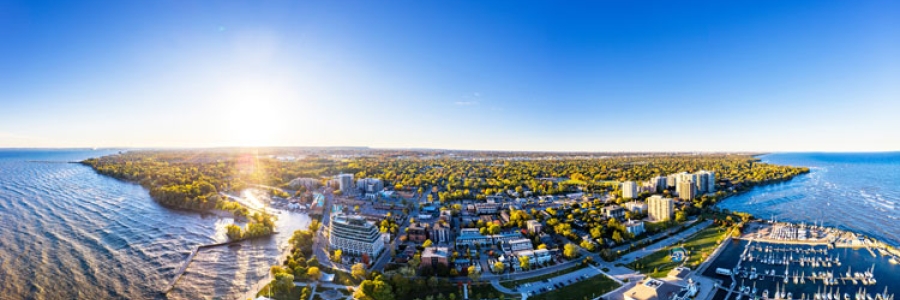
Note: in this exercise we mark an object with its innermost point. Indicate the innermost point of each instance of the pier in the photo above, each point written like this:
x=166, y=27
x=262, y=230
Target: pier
x=190, y=258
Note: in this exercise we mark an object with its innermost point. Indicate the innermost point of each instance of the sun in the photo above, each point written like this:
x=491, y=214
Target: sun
x=252, y=115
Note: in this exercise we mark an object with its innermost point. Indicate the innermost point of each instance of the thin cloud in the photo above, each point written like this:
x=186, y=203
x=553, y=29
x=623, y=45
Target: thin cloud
x=465, y=103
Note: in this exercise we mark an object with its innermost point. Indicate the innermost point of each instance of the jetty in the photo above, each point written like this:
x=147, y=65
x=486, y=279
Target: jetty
x=194, y=252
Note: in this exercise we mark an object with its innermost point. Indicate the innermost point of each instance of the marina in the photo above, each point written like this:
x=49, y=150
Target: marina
x=748, y=269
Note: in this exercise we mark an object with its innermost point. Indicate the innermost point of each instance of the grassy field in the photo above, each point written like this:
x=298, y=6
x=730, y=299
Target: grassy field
x=699, y=246
x=294, y=294
x=486, y=291
x=514, y=283
x=587, y=289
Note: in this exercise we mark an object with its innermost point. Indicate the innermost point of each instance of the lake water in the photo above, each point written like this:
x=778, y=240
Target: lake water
x=69, y=233
x=854, y=191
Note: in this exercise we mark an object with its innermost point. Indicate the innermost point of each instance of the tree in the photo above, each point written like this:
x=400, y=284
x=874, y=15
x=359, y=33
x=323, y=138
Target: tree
x=498, y=267
x=524, y=262
x=283, y=283
x=570, y=250
x=314, y=273
x=473, y=274
x=494, y=229
x=233, y=232
x=358, y=270
x=680, y=216
x=305, y=293
x=426, y=244
x=588, y=245
x=617, y=237
x=337, y=256
x=432, y=282
x=314, y=225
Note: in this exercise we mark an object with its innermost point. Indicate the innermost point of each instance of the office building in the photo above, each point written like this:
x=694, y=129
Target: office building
x=629, y=190
x=659, y=208
x=353, y=235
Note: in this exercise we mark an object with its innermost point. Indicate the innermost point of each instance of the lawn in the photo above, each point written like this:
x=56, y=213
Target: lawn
x=514, y=283
x=294, y=294
x=699, y=246
x=487, y=291
x=587, y=289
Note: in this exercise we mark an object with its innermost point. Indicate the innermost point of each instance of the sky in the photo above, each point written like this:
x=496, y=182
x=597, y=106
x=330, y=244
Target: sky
x=494, y=75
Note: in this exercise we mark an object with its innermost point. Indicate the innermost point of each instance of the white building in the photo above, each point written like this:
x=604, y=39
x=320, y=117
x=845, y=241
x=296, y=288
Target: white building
x=636, y=206
x=659, y=208
x=634, y=227
x=686, y=189
x=534, y=226
x=520, y=244
x=629, y=190
x=354, y=235
x=539, y=256
x=706, y=181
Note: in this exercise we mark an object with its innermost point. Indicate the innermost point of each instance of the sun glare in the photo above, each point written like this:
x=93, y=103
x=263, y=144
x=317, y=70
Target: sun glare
x=253, y=114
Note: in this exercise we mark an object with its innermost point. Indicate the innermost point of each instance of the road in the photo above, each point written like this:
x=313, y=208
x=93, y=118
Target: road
x=630, y=257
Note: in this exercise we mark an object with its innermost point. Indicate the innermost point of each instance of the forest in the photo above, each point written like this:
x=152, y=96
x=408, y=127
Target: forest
x=192, y=179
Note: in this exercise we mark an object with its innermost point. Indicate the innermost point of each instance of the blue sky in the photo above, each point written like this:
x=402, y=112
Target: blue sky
x=513, y=75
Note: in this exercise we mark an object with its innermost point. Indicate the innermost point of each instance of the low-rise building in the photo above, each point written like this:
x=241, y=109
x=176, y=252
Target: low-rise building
x=534, y=226
x=520, y=244
x=433, y=256
x=440, y=233
x=636, y=206
x=634, y=227
x=614, y=211
x=652, y=289
x=487, y=208
x=471, y=237
x=539, y=256
x=417, y=233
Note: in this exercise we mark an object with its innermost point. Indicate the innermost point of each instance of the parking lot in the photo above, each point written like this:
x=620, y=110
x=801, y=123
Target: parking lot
x=534, y=288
